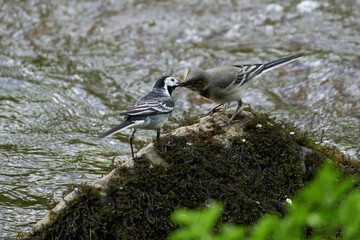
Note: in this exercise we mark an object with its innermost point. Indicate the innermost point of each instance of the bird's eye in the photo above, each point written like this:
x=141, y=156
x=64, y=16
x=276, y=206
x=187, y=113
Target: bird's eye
x=172, y=79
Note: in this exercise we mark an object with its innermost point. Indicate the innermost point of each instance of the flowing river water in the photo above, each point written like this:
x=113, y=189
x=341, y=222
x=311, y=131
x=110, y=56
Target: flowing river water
x=68, y=67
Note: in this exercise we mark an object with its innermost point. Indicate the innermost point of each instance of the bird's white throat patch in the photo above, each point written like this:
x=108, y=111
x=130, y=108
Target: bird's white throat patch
x=170, y=82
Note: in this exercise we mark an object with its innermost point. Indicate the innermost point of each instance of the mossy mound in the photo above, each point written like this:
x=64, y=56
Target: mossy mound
x=252, y=176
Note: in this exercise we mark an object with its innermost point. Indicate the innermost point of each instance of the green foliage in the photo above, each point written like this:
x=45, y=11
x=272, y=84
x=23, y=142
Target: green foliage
x=201, y=223
x=328, y=208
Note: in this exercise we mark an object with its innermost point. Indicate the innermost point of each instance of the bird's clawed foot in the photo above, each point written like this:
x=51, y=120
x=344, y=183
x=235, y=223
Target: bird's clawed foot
x=228, y=123
x=231, y=120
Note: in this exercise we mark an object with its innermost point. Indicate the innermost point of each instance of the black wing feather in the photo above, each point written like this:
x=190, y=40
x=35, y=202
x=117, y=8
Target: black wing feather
x=247, y=72
x=156, y=102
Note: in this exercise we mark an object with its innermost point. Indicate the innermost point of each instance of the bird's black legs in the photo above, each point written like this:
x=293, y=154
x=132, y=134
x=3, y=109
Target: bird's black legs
x=234, y=114
x=158, y=134
x=214, y=109
x=131, y=139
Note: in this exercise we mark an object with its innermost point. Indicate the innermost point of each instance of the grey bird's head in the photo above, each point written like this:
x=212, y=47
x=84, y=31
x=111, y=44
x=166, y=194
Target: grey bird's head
x=196, y=80
x=167, y=83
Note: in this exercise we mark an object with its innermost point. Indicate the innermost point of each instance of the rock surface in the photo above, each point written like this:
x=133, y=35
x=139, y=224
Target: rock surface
x=252, y=167
x=206, y=124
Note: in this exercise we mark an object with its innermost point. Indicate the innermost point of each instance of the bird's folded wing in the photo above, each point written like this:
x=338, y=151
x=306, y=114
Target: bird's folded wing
x=148, y=108
x=246, y=73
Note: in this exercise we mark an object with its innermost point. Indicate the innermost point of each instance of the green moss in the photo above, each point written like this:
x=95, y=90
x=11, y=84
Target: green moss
x=83, y=216
x=252, y=177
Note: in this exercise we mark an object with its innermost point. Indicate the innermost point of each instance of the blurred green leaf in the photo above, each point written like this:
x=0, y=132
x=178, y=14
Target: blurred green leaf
x=197, y=225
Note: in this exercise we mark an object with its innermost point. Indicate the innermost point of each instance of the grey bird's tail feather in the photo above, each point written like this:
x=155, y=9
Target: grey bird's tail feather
x=280, y=62
x=123, y=125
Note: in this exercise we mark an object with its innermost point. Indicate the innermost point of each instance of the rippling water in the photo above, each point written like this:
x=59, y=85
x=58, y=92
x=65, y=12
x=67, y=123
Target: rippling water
x=68, y=67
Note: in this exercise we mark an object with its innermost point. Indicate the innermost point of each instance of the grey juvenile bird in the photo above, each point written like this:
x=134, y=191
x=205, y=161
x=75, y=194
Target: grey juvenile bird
x=226, y=84
x=151, y=111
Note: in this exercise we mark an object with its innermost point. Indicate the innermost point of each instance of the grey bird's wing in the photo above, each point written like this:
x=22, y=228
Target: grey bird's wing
x=234, y=76
x=238, y=75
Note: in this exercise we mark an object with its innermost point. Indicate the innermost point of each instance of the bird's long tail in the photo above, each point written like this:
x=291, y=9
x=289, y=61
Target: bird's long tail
x=123, y=125
x=280, y=62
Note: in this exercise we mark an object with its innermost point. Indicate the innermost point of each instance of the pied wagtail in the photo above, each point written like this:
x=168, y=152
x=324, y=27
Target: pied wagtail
x=151, y=111
x=226, y=84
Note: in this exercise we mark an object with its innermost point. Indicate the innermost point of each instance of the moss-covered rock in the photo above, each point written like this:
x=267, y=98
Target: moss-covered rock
x=251, y=167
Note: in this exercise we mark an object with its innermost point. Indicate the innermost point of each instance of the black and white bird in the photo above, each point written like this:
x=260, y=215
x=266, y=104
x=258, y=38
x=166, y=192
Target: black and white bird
x=151, y=111
x=226, y=84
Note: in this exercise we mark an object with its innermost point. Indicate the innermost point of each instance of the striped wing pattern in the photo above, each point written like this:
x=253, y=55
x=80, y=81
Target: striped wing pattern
x=148, y=108
x=246, y=73
x=249, y=71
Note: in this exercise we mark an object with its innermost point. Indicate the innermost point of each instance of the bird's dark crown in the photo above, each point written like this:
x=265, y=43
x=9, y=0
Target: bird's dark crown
x=160, y=83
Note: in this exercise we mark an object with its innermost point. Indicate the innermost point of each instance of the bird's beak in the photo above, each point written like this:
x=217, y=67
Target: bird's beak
x=184, y=84
x=180, y=82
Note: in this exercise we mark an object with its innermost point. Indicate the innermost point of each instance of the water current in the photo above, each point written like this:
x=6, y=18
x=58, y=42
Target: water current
x=68, y=67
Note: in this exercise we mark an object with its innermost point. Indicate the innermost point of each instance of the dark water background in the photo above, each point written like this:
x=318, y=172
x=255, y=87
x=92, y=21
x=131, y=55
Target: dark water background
x=68, y=67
